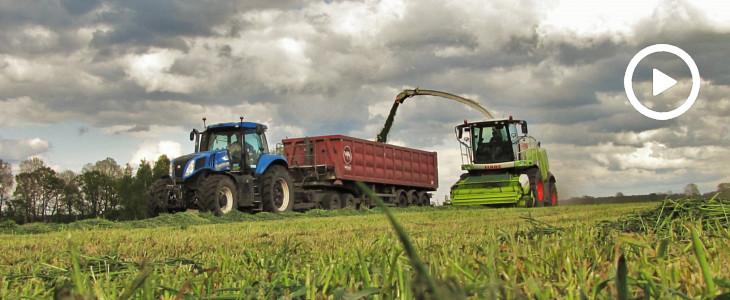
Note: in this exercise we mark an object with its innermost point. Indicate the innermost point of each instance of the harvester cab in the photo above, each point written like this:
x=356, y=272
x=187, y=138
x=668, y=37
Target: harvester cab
x=231, y=168
x=504, y=166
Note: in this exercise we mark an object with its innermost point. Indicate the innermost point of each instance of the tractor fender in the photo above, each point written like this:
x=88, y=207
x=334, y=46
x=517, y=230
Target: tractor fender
x=267, y=160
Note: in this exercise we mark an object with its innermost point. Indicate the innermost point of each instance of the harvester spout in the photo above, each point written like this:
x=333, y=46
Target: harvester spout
x=405, y=94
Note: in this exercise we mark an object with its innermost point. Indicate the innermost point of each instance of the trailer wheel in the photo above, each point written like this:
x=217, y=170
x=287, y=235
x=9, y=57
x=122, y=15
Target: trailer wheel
x=553, y=194
x=332, y=201
x=423, y=199
x=401, y=198
x=157, y=197
x=218, y=194
x=413, y=198
x=349, y=201
x=277, y=190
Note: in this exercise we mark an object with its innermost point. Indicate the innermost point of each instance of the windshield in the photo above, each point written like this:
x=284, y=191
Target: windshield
x=492, y=143
x=245, y=148
x=221, y=140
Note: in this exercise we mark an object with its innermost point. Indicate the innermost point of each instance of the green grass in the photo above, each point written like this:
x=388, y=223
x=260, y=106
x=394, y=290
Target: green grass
x=470, y=252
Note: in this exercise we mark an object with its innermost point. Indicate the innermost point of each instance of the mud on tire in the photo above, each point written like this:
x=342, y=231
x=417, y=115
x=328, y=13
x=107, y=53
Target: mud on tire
x=277, y=190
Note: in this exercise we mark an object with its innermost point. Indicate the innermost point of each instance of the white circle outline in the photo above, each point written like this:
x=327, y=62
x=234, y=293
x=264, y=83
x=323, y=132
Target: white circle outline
x=628, y=84
x=347, y=155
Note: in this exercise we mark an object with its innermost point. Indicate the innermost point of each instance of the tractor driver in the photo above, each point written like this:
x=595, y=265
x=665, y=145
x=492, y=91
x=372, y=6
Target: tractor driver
x=499, y=146
x=236, y=155
x=234, y=150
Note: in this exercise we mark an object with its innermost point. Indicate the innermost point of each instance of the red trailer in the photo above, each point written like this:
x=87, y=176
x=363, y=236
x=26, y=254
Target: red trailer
x=325, y=168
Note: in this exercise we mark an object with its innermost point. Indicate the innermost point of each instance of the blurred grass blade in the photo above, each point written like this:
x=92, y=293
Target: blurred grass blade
x=622, y=274
x=702, y=259
x=422, y=273
x=137, y=282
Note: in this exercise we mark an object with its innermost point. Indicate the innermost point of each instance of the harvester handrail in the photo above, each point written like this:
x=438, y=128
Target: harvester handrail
x=525, y=143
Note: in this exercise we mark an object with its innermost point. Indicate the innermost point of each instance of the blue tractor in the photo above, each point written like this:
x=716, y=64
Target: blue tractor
x=230, y=169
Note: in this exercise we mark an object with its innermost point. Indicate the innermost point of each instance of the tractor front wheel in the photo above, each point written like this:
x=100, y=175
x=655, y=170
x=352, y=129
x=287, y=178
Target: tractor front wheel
x=157, y=197
x=277, y=190
x=218, y=194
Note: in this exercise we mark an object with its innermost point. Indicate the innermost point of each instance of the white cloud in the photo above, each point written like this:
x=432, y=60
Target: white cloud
x=150, y=150
x=152, y=71
x=19, y=150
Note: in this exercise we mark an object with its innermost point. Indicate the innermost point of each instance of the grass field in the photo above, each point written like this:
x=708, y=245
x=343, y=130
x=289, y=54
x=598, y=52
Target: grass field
x=564, y=252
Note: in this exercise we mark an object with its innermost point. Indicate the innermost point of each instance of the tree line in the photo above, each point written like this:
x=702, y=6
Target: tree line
x=102, y=190
x=689, y=191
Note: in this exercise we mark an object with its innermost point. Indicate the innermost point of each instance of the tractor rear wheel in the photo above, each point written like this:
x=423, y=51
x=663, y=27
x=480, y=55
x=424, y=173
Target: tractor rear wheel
x=277, y=190
x=157, y=197
x=218, y=194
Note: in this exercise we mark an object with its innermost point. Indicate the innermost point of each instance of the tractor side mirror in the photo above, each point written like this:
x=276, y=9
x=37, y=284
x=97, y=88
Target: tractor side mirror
x=193, y=134
x=259, y=129
x=524, y=127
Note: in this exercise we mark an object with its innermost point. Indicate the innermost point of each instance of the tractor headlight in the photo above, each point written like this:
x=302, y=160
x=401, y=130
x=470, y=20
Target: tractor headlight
x=190, y=168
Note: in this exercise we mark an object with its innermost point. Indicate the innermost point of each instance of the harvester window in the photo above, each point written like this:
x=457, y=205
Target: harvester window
x=492, y=145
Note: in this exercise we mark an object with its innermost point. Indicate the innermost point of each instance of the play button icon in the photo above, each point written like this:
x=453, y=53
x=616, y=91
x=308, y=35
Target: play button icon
x=661, y=82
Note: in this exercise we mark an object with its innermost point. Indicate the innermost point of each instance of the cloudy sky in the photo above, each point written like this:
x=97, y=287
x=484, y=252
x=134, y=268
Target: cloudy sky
x=82, y=80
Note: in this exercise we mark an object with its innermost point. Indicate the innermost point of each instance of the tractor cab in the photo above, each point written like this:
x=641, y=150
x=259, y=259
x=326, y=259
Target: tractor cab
x=244, y=143
x=226, y=147
x=494, y=144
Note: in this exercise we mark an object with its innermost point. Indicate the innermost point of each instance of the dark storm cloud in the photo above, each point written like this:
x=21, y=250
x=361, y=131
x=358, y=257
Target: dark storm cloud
x=80, y=7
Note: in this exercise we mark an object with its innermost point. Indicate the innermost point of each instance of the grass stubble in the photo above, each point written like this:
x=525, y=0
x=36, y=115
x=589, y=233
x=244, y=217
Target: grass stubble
x=675, y=249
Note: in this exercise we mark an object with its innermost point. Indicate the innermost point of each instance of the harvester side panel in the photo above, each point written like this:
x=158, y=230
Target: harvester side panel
x=338, y=157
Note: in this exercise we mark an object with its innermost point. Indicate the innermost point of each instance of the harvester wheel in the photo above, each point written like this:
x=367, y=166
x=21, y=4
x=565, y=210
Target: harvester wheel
x=349, y=201
x=332, y=201
x=218, y=194
x=537, y=187
x=156, y=197
x=553, y=196
x=277, y=190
